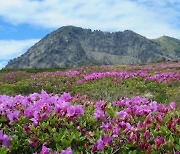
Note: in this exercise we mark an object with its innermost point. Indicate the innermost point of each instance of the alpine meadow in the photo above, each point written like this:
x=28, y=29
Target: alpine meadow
x=90, y=77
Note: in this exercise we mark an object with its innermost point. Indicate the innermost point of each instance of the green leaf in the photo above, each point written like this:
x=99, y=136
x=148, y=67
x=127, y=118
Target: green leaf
x=171, y=139
x=3, y=150
x=69, y=125
x=177, y=147
x=163, y=130
x=154, y=132
x=33, y=128
x=66, y=142
x=132, y=152
x=166, y=119
x=58, y=147
x=57, y=137
x=110, y=111
x=53, y=121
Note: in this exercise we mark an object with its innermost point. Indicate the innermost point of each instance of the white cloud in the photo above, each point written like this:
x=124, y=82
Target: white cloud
x=151, y=18
x=12, y=48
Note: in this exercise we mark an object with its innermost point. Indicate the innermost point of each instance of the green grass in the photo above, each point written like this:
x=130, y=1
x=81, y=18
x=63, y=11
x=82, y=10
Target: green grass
x=106, y=89
x=101, y=89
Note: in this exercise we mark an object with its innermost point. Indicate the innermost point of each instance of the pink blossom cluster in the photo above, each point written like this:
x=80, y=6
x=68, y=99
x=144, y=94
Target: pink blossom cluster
x=70, y=73
x=126, y=129
x=38, y=106
x=137, y=121
x=155, y=67
x=14, y=74
x=12, y=77
x=46, y=150
x=167, y=65
x=158, y=77
x=4, y=139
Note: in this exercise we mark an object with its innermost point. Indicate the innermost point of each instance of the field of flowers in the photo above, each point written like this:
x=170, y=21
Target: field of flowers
x=91, y=109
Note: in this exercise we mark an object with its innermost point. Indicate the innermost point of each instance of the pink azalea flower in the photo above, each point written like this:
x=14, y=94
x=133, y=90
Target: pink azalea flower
x=99, y=114
x=100, y=104
x=100, y=144
x=79, y=110
x=5, y=139
x=71, y=111
x=45, y=150
x=129, y=127
x=66, y=97
x=12, y=115
x=67, y=151
x=172, y=106
x=106, y=127
x=159, y=141
x=146, y=134
x=122, y=114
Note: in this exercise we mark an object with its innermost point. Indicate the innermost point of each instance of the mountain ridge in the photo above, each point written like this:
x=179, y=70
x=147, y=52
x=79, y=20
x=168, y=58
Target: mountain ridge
x=71, y=46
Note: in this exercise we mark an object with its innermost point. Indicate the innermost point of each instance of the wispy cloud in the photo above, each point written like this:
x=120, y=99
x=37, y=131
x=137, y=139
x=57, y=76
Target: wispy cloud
x=12, y=48
x=151, y=18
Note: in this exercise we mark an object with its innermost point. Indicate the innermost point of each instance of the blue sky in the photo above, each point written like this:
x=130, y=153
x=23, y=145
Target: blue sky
x=25, y=22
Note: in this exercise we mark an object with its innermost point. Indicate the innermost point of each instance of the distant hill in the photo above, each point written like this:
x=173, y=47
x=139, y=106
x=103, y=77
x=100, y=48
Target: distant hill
x=71, y=46
x=169, y=44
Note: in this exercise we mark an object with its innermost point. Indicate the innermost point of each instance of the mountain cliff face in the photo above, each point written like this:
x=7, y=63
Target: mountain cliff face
x=71, y=46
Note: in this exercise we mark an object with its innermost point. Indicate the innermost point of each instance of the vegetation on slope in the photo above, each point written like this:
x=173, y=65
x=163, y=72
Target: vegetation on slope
x=91, y=109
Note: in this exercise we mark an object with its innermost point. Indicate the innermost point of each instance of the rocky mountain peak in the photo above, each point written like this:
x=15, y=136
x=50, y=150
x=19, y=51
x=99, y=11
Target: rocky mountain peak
x=71, y=46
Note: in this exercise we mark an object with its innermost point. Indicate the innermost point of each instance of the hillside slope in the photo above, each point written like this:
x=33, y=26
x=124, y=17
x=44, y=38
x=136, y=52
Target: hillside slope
x=169, y=44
